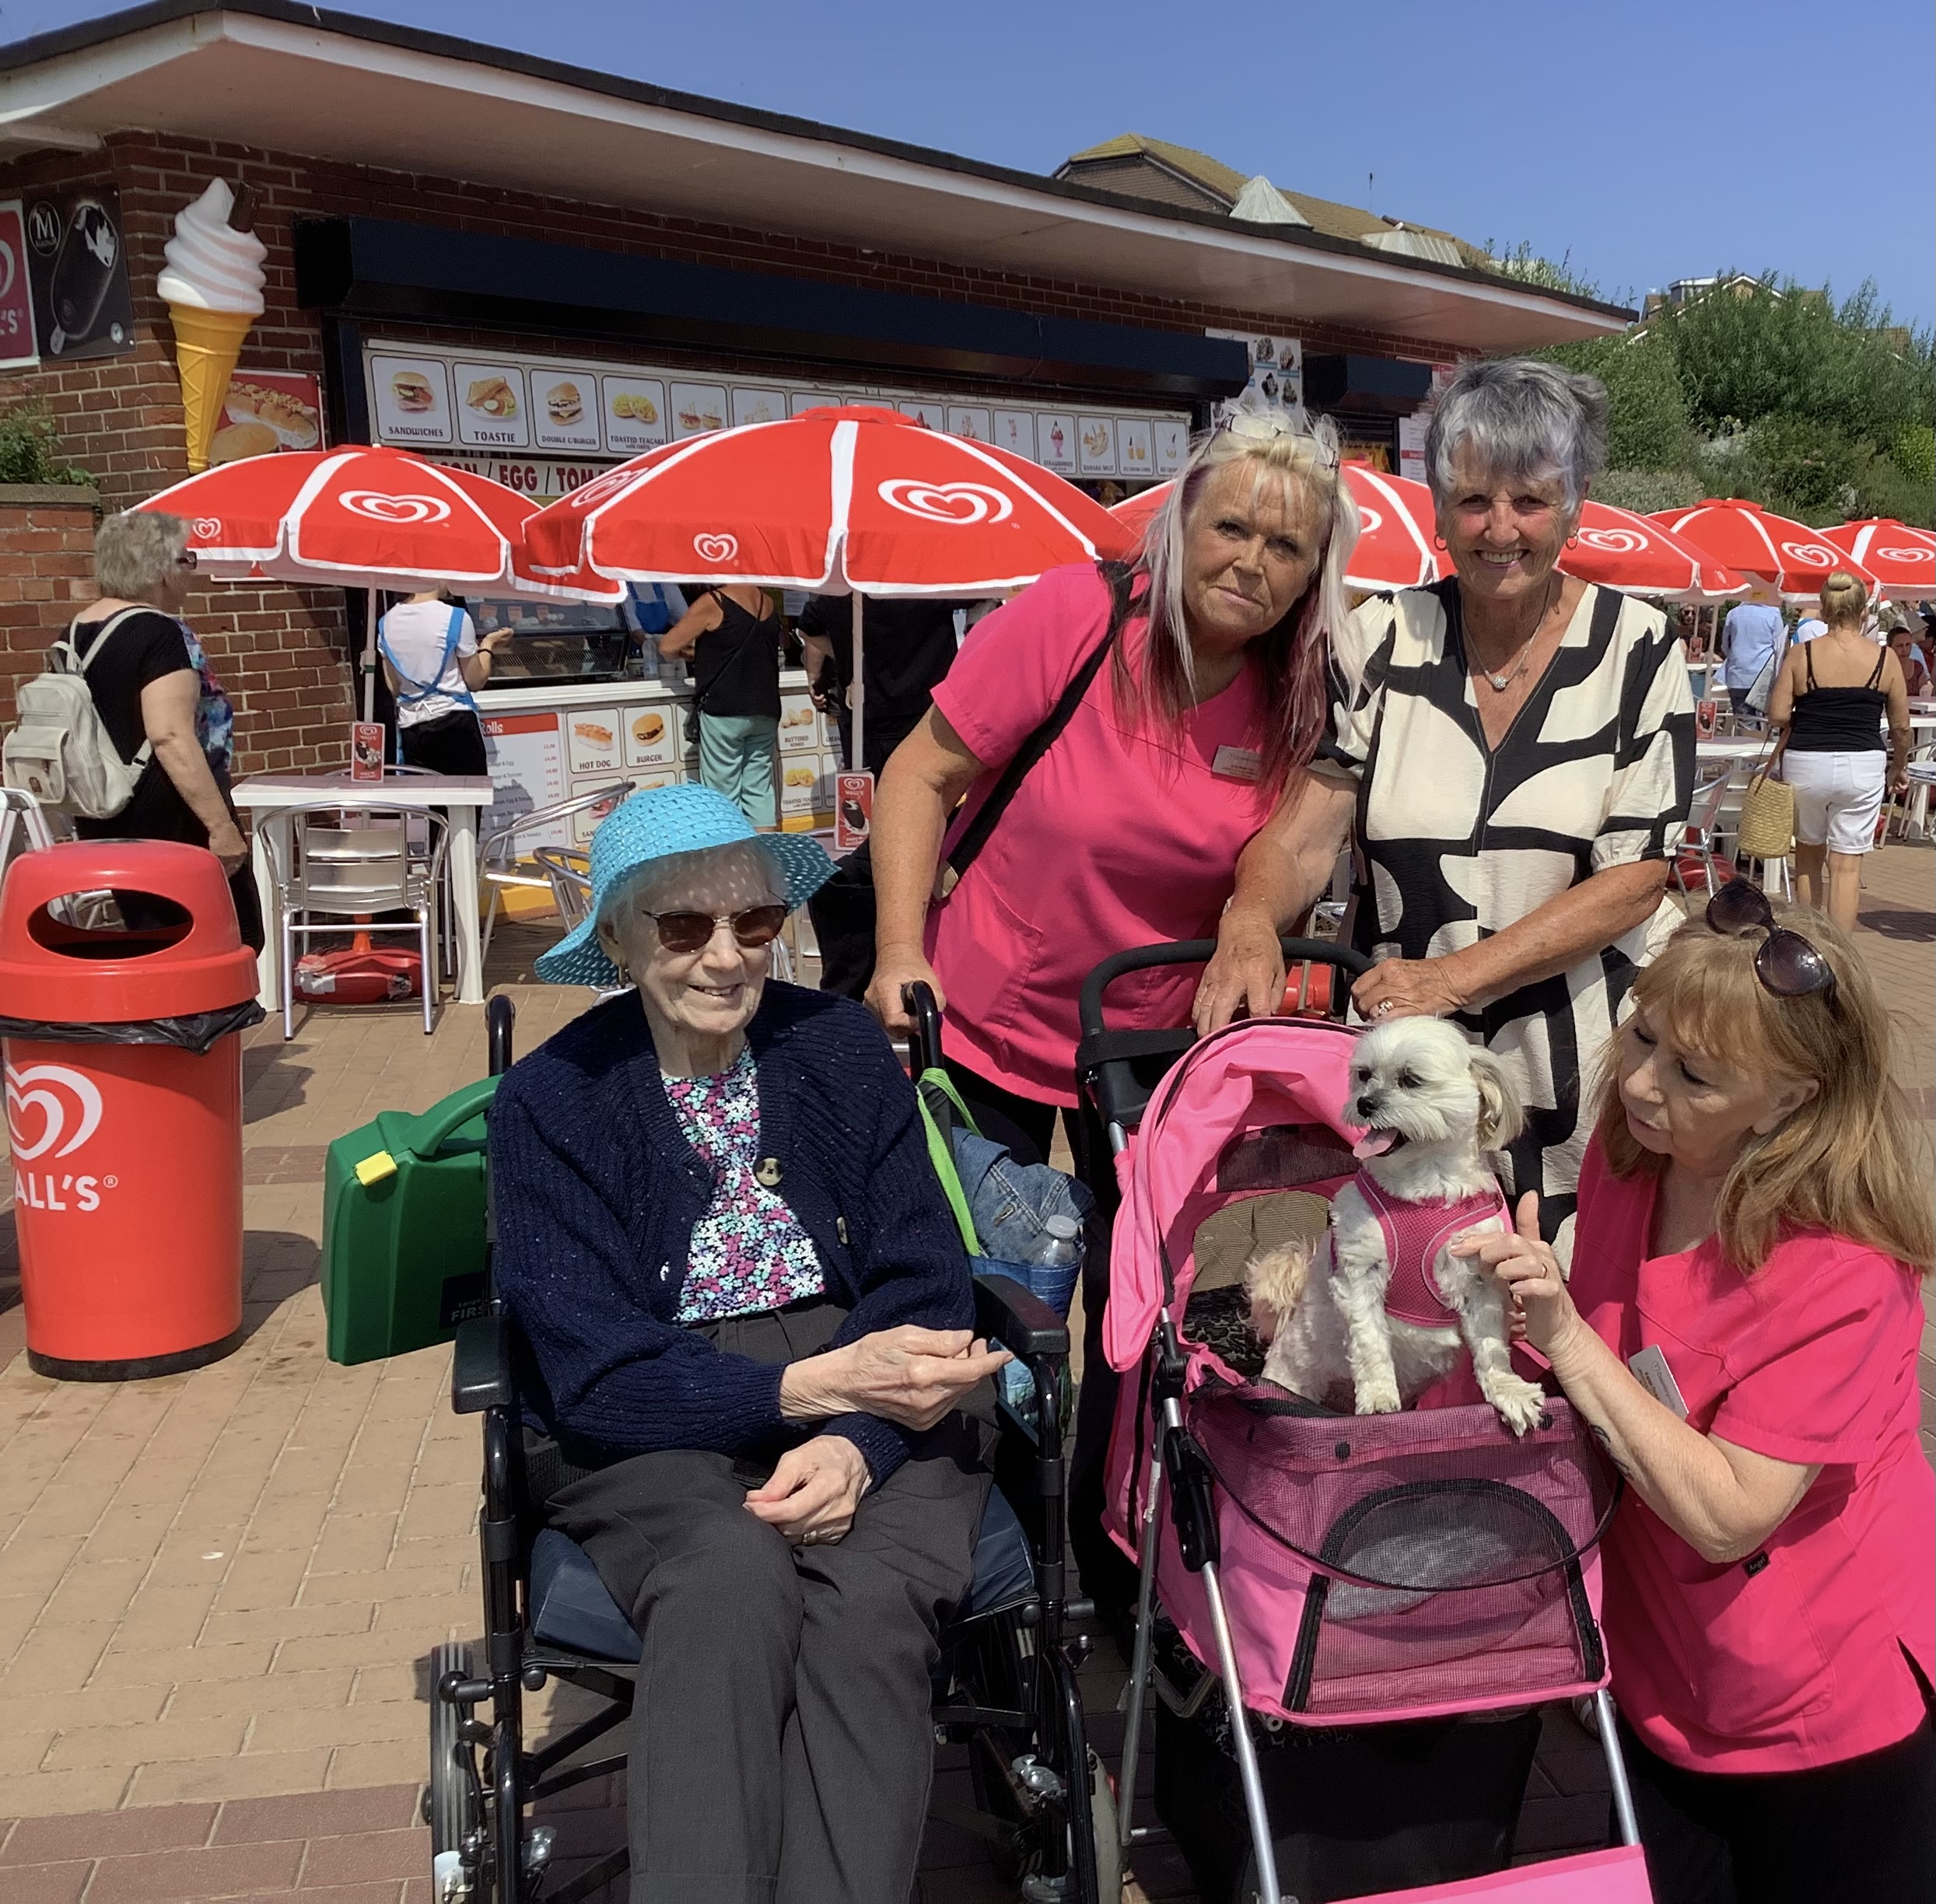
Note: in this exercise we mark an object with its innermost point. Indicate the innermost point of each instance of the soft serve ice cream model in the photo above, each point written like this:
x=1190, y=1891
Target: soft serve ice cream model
x=212, y=283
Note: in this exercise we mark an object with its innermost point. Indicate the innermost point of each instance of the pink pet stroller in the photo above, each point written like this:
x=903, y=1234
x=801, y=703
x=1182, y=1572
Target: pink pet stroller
x=1327, y=1570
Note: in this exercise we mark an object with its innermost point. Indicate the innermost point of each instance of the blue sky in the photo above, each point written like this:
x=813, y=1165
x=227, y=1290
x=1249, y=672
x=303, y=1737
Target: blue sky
x=1648, y=140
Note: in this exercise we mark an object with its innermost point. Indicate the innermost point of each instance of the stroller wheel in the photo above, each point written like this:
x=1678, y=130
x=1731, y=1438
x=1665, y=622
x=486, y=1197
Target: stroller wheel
x=451, y=1806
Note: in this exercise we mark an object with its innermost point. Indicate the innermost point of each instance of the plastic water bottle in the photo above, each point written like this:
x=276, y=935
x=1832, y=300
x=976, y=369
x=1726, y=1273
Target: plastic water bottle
x=1056, y=1261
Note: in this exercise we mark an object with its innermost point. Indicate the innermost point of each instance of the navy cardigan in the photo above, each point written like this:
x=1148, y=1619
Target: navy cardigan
x=597, y=1191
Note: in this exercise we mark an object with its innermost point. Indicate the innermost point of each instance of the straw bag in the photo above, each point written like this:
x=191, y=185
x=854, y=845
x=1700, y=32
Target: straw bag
x=1768, y=811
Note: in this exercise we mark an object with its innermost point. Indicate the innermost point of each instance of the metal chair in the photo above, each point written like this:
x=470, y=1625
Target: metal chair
x=20, y=814
x=1704, y=813
x=567, y=873
x=352, y=867
x=497, y=861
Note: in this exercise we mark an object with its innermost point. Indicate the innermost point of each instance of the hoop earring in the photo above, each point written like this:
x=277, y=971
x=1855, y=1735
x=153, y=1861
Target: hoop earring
x=1573, y=541
x=1438, y=542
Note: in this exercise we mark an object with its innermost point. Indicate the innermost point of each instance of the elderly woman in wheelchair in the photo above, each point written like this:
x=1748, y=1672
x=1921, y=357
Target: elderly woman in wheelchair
x=754, y=1400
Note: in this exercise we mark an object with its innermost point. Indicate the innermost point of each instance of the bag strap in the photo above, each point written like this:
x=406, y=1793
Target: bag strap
x=83, y=662
x=975, y=834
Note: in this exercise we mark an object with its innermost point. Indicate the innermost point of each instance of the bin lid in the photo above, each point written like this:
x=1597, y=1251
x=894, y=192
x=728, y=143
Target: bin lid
x=62, y=968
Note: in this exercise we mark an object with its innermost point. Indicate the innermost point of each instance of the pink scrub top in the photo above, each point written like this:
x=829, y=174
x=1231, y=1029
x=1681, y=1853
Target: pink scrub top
x=1123, y=834
x=1793, y=1657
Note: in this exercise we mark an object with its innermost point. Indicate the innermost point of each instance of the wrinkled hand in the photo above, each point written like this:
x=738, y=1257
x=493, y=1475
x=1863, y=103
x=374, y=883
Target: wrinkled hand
x=1408, y=988
x=814, y=1491
x=228, y=846
x=1528, y=1273
x=1247, y=976
x=909, y=1375
x=895, y=968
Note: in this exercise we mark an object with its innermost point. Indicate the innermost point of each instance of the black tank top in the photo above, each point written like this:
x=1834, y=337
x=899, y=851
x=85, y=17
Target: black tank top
x=736, y=666
x=1838, y=720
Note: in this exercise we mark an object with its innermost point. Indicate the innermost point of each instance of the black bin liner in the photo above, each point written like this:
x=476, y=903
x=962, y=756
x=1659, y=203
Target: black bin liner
x=196, y=1031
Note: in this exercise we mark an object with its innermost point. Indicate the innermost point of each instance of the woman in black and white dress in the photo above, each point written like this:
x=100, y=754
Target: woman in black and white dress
x=1515, y=750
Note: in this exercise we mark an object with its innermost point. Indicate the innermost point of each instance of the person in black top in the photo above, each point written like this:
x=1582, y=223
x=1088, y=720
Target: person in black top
x=152, y=684
x=733, y=633
x=910, y=643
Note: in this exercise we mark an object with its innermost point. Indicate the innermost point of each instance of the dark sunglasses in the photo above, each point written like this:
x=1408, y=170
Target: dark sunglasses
x=1787, y=964
x=186, y=559
x=692, y=932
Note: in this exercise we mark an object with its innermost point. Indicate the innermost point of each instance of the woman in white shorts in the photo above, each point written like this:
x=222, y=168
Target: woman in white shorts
x=1830, y=696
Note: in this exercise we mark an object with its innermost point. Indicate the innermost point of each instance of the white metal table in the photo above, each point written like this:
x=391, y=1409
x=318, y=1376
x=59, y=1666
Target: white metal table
x=270, y=799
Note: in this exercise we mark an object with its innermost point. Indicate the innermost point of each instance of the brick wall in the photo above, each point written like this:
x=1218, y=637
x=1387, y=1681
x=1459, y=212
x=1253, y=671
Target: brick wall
x=284, y=654
x=47, y=550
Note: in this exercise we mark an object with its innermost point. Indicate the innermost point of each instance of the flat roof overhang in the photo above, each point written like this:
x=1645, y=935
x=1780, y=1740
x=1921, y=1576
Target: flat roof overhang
x=271, y=74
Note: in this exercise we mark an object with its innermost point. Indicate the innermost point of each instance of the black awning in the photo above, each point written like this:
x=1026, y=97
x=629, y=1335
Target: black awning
x=377, y=268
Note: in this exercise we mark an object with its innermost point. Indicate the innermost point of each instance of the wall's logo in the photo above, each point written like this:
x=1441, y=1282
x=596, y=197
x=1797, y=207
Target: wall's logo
x=1813, y=555
x=964, y=504
x=49, y=1105
x=380, y=506
x=205, y=528
x=1615, y=542
x=716, y=548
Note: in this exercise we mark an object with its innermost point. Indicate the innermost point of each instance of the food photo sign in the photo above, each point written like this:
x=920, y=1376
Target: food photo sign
x=266, y=410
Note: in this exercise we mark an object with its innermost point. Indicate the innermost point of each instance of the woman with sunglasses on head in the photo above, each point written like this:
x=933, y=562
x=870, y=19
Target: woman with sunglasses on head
x=161, y=704
x=1741, y=1331
x=1512, y=758
x=746, y=1304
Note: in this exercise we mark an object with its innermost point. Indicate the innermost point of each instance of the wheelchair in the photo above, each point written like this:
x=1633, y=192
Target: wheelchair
x=1005, y=1688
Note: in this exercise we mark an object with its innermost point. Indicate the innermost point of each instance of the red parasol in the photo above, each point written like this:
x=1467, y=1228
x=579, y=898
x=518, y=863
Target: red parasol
x=855, y=498
x=1902, y=559
x=1751, y=540
x=1624, y=551
x=357, y=517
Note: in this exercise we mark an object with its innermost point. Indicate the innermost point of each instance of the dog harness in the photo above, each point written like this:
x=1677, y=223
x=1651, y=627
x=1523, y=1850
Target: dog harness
x=1414, y=1234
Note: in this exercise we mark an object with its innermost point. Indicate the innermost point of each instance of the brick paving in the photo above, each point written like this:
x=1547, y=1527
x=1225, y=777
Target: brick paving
x=217, y=1590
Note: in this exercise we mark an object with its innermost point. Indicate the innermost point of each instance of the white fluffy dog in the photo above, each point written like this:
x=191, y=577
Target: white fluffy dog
x=1433, y=1104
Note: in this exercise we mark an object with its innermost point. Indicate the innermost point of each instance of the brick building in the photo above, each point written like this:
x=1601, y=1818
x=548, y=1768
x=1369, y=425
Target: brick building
x=426, y=198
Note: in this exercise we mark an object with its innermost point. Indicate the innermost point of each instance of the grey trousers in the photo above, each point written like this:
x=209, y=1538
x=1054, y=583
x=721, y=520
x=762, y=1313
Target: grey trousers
x=781, y=1751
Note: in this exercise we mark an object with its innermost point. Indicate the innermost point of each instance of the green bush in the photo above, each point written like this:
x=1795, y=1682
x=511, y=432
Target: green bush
x=29, y=450
x=1647, y=491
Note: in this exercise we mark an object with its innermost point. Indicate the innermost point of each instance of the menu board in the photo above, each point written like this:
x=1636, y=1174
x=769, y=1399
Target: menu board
x=1276, y=370
x=527, y=757
x=591, y=740
x=651, y=735
x=517, y=404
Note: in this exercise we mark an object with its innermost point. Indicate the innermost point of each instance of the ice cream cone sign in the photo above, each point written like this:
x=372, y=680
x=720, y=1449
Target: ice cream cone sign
x=212, y=283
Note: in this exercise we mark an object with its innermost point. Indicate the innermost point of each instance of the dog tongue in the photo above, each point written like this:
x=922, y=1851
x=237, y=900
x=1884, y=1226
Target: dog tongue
x=1373, y=1143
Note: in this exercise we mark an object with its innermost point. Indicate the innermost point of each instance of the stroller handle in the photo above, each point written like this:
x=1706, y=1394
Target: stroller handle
x=924, y=1025
x=1353, y=964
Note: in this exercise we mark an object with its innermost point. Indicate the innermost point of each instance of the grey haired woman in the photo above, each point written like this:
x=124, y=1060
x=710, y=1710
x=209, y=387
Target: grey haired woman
x=1514, y=748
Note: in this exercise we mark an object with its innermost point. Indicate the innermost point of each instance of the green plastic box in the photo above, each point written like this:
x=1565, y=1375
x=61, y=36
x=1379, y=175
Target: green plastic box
x=403, y=1228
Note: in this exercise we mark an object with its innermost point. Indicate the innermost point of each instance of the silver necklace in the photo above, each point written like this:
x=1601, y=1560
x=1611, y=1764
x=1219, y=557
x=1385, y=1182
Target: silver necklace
x=1500, y=682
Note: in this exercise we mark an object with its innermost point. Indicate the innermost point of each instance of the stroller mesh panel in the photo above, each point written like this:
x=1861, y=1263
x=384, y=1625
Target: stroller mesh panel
x=1444, y=1554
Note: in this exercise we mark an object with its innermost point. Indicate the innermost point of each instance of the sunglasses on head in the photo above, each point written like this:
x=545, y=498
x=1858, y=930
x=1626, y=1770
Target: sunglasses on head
x=692, y=932
x=1787, y=964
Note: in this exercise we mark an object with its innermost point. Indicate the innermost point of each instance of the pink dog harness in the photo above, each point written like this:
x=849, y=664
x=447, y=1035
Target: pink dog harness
x=1414, y=1234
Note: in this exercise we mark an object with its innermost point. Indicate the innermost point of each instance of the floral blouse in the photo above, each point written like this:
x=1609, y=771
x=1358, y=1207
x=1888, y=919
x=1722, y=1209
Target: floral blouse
x=749, y=1251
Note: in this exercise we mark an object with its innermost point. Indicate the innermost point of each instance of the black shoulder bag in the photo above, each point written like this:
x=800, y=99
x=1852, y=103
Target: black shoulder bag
x=843, y=910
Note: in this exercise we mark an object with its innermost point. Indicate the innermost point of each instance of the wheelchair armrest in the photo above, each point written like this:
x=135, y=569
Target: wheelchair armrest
x=481, y=1368
x=1019, y=1320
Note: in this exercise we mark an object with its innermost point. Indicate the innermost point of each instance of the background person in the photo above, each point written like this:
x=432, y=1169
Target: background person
x=751, y=1365
x=1755, y=1215
x=1909, y=658
x=733, y=633
x=1516, y=757
x=1207, y=697
x=1831, y=697
x=910, y=643
x=1751, y=638
x=434, y=663
x=152, y=684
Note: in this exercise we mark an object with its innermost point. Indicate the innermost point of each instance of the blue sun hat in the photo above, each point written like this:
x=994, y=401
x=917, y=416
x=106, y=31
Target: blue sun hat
x=656, y=824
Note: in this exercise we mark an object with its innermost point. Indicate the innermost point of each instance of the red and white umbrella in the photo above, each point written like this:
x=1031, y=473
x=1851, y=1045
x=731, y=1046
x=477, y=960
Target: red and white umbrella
x=1624, y=551
x=1902, y=559
x=1395, y=548
x=356, y=517
x=1753, y=541
x=855, y=498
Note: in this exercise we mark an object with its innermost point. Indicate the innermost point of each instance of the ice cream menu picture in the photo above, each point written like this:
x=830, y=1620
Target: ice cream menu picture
x=77, y=264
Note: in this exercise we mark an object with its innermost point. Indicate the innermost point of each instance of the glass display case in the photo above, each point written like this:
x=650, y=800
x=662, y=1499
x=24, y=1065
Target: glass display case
x=555, y=640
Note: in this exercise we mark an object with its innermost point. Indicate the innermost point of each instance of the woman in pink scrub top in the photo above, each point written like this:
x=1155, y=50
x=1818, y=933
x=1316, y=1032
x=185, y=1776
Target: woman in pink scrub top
x=1126, y=832
x=1741, y=1331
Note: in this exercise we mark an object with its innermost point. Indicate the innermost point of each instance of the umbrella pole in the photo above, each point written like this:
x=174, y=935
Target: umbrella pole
x=370, y=657
x=859, y=703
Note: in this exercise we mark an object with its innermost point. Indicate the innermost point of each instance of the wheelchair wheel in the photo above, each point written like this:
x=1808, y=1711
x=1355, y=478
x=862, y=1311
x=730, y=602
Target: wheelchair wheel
x=450, y=1803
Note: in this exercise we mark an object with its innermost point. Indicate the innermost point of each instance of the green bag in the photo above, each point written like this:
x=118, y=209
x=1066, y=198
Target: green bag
x=404, y=1228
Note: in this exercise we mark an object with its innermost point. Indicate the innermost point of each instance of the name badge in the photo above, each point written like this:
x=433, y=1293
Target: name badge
x=1236, y=763
x=1651, y=1372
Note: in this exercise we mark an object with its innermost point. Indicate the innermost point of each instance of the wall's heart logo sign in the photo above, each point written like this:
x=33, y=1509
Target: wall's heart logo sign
x=716, y=548
x=1370, y=520
x=380, y=506
x=589, y=495
x=1927, y=557
x=8, y=268
x=205, y=528
x=963, y=504
x=1813, y=555
x=1615, y=542
x=40, y=1088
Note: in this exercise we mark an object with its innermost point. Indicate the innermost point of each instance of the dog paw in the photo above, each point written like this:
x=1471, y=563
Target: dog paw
x=1520, y=1404
x=1378, y=1397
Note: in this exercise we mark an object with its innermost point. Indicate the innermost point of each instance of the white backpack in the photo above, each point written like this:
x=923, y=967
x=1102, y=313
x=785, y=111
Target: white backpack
x=61, y=751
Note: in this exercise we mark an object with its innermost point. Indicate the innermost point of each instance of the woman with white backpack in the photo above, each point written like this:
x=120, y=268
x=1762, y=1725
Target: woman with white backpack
x=164, y=709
